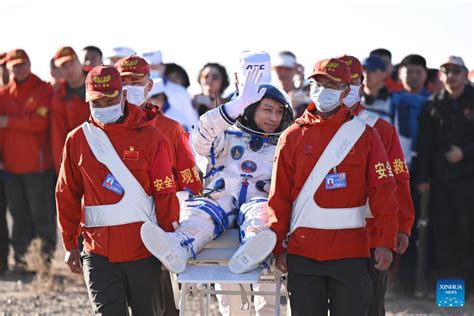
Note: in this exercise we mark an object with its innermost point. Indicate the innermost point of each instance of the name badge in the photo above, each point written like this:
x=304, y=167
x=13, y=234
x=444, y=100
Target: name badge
x=110, y=183
x=335, y=181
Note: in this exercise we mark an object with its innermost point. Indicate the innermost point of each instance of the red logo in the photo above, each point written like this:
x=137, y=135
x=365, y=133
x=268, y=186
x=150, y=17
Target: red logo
x=131, y=154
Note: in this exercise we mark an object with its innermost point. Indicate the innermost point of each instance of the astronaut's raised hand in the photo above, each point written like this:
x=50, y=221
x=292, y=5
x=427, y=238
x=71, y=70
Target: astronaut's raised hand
x=248, y=95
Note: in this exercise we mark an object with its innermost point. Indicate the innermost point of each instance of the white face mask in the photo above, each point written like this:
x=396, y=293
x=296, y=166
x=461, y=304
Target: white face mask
x=325, y=99
x=107, y=115
x=155, y=74
x=136, y=94
x=353, y=97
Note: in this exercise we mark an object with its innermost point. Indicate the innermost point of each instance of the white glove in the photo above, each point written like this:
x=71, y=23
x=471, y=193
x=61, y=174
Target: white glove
x=249, y=94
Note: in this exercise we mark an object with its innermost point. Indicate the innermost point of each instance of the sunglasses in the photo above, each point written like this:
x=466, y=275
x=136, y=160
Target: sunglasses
x=454, y=70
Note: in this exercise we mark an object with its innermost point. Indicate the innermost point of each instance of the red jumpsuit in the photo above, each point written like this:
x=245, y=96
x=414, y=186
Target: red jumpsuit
x=368, y=176
x=144, y=150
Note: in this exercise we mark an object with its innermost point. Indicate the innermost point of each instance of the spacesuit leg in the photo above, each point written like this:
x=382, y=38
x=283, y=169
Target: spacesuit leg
x=257, y=240
x=202, y=219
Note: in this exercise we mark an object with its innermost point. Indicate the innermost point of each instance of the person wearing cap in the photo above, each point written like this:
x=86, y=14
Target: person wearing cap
x=376, y=96
x=4, y=74
x=401, y=174
x=115, y=174
x=288, y=72
x=118, y=52
x=181, y=108
x=68, y=106
x=445, y=168
x=284, y=65
x=57, y=75
x=327, y=165
x=135, y=74
x=24, y=123
x=392, y=81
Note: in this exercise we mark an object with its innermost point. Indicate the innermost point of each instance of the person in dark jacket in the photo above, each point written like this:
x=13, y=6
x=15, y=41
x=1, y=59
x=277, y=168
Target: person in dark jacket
x=446, y=169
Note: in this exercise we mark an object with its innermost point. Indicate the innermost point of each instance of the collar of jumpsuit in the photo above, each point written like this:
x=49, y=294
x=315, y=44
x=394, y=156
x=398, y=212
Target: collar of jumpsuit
x=310, y=118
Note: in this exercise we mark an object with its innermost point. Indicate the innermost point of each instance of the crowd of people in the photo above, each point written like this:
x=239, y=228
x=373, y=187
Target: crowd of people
x=341, y=173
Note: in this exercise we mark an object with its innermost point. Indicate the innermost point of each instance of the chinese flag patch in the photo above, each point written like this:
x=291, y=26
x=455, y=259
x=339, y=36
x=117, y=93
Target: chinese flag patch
x=131, y=154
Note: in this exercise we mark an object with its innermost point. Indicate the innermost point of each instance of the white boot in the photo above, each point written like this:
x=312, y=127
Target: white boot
x=253, y=252
x=172, y=249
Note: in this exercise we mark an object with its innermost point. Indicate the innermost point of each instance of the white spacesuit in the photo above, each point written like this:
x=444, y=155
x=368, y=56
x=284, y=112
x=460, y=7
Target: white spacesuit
x=241, y=158
x=241, y=164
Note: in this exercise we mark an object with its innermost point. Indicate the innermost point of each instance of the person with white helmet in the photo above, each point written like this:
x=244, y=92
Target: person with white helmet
x=180, y=105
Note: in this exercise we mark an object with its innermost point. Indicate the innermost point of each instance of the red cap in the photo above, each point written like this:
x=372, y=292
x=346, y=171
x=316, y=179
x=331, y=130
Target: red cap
x=332, y=68
x=354, y=65
x=133, y=65
x=63, y=55
x=15, y=57
x=103, y=81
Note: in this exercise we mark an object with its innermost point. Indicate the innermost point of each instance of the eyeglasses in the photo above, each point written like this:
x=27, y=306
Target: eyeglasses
x=339, y=87
x=454, y=70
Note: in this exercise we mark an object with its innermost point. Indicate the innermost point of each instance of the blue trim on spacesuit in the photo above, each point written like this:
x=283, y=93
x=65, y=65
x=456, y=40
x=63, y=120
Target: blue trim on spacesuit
x=217, y=213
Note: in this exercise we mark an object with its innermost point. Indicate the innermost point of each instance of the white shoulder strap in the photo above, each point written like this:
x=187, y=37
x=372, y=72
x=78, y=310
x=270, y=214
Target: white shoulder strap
x=334, y=153
x=368, y=117
x=105, y=153
x=135, y=205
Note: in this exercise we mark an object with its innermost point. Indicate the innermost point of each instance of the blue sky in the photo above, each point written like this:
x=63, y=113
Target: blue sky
x=192, y=33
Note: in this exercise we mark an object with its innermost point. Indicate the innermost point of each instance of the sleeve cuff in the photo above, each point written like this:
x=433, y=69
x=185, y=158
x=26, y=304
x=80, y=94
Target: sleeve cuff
x=225, y=115
x=279, y=249
x=385, y=244
x=405, y=231
x=70, y=242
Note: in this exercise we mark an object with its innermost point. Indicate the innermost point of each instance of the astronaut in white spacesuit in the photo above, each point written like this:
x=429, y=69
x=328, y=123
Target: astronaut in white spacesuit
x=239, y=138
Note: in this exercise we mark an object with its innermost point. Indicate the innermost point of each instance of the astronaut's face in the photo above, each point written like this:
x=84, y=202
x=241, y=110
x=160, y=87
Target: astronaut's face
x=268, y=115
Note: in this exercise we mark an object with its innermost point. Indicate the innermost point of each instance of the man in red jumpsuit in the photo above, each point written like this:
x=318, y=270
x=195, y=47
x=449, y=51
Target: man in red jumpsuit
x=115, y=174
x=135, y=73
x=394, y=152
x=68, y=106
x=327, y=165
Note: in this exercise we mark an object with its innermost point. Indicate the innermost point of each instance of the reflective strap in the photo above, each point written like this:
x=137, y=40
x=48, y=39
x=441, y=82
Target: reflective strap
x=369, y=118
x=243, y=192
x=306, y=212
x=218, y=215
x=213, y=169
x=187, y=243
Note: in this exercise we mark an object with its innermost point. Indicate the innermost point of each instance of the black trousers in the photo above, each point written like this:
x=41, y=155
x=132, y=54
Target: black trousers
x=4, y=240
x=342, y=286
x=407, y=262
x=169, y=307
x=379, y=287
x=452, y=221
x=32, y=206
x=112, y=287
